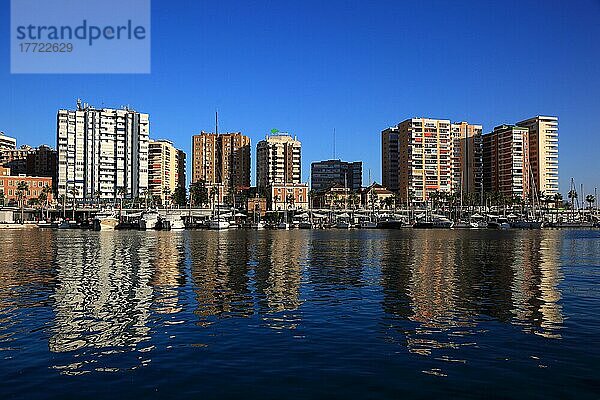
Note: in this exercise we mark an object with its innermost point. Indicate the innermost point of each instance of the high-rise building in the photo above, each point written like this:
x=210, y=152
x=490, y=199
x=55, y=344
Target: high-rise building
x=336, y=173
x=417, y=154
x=424, y=155
x=543, y=153
x=102, y=153
x=181, y=157
x=222, y=159
x=7, y=142
x=467, y=161
x=278, y=160
x=506, y=161
x=165, y=169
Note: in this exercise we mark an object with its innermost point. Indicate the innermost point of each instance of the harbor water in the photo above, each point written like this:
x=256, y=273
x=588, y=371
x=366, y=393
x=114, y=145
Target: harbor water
x=299, y=314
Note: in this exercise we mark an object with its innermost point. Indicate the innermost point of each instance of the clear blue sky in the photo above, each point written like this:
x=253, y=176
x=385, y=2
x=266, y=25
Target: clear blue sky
x=308, y=67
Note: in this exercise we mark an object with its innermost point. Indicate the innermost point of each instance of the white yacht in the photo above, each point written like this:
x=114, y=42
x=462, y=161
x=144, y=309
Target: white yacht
x=257, y=225
x=177, y=224
x=149, y=220
x=107, y=220
x=218, y=223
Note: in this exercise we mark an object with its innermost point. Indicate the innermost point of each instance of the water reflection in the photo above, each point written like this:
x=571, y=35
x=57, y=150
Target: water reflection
x=108, y=301
x=441, y=289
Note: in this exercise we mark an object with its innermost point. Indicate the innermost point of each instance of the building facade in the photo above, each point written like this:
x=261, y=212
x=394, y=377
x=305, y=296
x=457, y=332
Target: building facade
x=424, y=155
x=102, y=153
x=287, y=196
x=166, y=169
x=506, y=161
x=543, y=153
x=9, y=186
x=16, y=159
x=423, y=162
x=336, y=173
x=7, y=142
x=467, y=158
x=278, y=161
x=221, y=159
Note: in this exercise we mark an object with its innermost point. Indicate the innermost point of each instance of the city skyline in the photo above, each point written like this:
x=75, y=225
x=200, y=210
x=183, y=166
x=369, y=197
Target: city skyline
x=347, y=67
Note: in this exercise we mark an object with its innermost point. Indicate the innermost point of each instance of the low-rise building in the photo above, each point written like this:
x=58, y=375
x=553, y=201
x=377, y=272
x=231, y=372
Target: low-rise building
x=287, y=196
x=9, y=186
x=375, y=196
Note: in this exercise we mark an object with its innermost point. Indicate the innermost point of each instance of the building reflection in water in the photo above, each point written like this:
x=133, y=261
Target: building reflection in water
x=437, y=291
x=240, y=274
x=440, y=288
x=102, y=298
x=219, y=263
x=168, y=277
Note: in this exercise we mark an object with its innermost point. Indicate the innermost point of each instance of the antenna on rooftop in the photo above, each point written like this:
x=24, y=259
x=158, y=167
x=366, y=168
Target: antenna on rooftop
x=216, y=122
x=334, y=143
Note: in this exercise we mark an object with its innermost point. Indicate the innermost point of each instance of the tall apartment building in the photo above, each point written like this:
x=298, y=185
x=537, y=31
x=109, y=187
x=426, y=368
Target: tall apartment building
x=543, y=152
x=423, y=155
x=506, y=161
x=7, y=142
x=221, y=159
x=166, y=171
x=467, y=161
x=181, y=164
x=336, y=173
x=278, y=160
x=102, y=152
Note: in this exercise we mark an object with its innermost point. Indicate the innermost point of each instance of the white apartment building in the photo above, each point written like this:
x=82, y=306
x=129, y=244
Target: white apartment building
x=278, y=160
x=543, y=153
x=102, y=153
x=7, y=142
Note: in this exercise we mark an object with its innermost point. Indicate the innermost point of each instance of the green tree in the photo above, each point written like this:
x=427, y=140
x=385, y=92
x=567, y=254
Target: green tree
x=388, y=202
x=572, y=195
x=558, y=198
x=590, y=199
x=198, y=194
x=22, y=189
x=180, y=196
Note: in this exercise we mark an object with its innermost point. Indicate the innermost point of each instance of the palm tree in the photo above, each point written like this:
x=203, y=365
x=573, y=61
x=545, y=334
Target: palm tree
x=590, y=198
x=22, y=189
x=44, y=198
x=74, y=192
x=557, y=200
x=572, y=195
x=167, y=193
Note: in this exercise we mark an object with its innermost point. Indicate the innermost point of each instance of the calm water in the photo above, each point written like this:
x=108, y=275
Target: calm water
x=300, y=314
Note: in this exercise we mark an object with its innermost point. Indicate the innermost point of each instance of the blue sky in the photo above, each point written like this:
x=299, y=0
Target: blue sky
x=308, y=67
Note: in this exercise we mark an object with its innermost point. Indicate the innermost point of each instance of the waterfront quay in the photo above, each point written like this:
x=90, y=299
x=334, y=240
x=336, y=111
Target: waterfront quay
x=356, y=218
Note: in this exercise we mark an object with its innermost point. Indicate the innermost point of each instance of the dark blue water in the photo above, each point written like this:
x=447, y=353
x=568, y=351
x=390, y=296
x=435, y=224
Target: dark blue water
x=300, y=314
